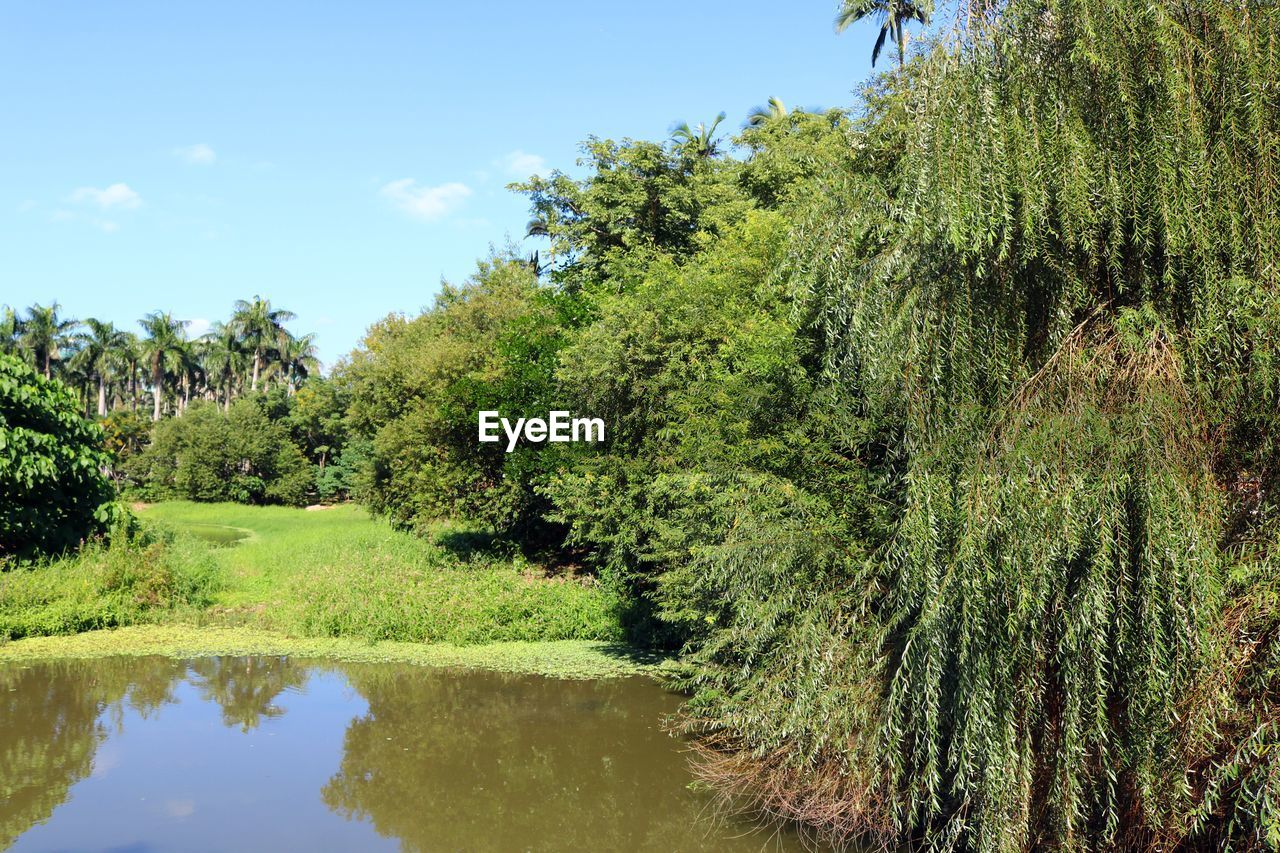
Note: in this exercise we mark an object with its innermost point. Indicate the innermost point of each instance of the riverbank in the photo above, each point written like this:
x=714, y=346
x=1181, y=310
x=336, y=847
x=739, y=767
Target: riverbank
x=209, y=579
x=554, y=658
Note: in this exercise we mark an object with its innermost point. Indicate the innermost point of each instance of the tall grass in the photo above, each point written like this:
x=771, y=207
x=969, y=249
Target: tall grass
x=132, y=580
x=339, y=573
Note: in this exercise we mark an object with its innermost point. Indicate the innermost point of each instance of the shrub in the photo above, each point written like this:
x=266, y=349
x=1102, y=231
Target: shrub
x=52, y=490
x=210, y=455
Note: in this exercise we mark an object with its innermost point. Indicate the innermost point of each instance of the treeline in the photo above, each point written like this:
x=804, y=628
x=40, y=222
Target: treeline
x=240, y=413
x=941, y=432
x=161, y=368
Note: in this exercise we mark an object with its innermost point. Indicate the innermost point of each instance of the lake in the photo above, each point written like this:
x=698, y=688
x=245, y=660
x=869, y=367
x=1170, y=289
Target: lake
x=270, y=753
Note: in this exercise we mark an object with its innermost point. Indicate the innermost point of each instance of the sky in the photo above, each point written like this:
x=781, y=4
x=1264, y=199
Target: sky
x=341, y=159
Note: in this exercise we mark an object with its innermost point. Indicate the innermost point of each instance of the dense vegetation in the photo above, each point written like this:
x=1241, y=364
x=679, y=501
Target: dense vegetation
x=310, y=574
x=53, y=494
x=265, y=427
x=941, y=431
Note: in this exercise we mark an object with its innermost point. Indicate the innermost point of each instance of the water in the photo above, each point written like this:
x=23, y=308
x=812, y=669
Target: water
x=266, y=753
x=217, y=534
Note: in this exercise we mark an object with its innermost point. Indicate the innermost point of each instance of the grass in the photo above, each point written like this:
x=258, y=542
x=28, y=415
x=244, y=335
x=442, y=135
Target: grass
x=559, y=658
x=298, y=577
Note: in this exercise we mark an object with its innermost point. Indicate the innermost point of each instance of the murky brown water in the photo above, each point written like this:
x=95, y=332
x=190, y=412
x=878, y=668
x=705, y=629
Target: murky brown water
x=255, y=753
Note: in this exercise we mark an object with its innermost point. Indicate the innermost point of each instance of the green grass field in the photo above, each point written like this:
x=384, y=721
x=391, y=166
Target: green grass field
x=329, y=573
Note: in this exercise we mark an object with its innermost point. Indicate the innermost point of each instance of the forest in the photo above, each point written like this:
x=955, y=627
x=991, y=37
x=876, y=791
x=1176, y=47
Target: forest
x=940, y=429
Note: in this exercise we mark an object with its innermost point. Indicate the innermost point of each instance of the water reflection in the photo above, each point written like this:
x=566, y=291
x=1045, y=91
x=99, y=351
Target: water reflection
x=52, y=721
x=440, y=761
x=247, y=753
x=246, y=687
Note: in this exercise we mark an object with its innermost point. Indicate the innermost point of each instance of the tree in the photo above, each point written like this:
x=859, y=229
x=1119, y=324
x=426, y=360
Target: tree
x=44, y=334
x=162, y=346
x=10, y=331
x=893, y=14
x=298, y=360
x=52, y=490
x=224, y=360
x=697, y=141
x=128, y=358
x=774, y=109
x=261, y=328
x=210, y=455
x=99, y=353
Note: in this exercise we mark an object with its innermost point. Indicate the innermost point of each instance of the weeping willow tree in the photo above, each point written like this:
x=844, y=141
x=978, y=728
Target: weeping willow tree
x=1050, y=275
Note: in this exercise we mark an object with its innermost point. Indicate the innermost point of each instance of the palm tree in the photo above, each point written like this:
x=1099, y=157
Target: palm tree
x=774, y=109
x=699, y=141
x=261, y=329
x=188, y=371
x=299, y=360
x=224, y=360
x=540, y=226
x=162, y=346
x=128, y=357
x=44, y=336
x=893, y=14
x=10, y=331
x=98, y=355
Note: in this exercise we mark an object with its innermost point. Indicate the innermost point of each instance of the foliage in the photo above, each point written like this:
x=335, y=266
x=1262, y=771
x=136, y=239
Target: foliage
x=133, y=579
x=53, y=494
x=337, y=573
x=941, y=434
x=211, y=455
x=418, y=384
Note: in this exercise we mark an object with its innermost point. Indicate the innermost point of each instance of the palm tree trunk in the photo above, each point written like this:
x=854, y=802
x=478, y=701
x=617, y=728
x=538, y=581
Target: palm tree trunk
x=257, y=361
x=157, y=382
x=102, y=397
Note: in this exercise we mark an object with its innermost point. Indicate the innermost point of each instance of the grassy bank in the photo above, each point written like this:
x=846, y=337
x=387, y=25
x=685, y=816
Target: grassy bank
x=301, y=575
x=556, y=658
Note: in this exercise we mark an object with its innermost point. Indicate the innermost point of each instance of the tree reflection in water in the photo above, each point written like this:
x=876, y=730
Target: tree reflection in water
x=246, y=687
x=449, y=761
x=52, y=715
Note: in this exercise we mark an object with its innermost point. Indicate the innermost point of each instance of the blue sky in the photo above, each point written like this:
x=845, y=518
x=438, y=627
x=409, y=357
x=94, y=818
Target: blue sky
x=341, y=158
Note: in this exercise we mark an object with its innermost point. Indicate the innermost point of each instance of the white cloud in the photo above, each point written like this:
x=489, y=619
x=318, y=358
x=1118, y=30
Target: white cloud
x=520, y=164
x=116, y=195
x=197, y=327
x=428, y=203
x=199, y=154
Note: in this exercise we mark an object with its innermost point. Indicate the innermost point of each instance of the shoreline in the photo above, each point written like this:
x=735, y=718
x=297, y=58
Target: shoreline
x=577, y=659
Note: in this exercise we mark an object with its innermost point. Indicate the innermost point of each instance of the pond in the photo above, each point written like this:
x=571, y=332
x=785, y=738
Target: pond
x=220, y=535
x=270, y=753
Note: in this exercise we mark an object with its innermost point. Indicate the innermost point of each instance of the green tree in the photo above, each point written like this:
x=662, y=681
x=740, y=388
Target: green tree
x=299, y=360
x=697, y=141
x=53, y=493
x=239, y=455
x=163, y=347
x=10, y=332
x=225, y=360
x=774, y=109
x=99, y=353
x=894, y=16
x=261, y=328
x=44, y=334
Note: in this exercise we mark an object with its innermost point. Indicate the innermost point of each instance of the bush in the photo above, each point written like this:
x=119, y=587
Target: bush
x=210, y=455
x=53, y=493
x=107, y=585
